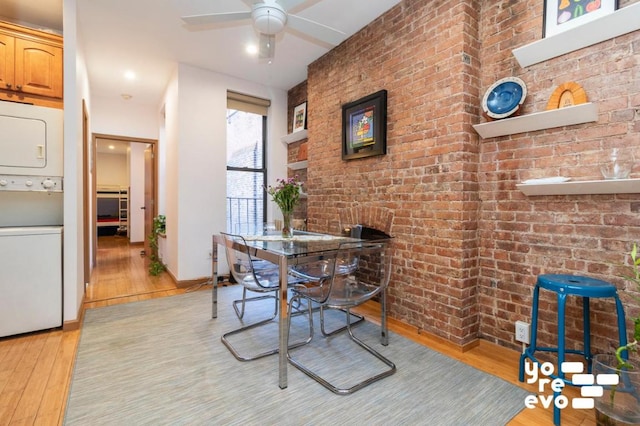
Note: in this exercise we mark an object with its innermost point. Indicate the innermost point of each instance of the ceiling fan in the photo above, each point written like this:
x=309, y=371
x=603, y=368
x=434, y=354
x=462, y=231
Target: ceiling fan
x=270, y=18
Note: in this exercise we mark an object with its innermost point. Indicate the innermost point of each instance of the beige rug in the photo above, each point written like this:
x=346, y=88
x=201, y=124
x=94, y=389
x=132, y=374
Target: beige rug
x=161, y=362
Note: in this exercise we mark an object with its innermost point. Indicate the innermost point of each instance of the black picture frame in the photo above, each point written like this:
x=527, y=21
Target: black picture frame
x=364, y=127
x=559, y=16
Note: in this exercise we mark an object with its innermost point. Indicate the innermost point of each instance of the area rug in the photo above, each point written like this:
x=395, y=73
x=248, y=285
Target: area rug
x=161, y=361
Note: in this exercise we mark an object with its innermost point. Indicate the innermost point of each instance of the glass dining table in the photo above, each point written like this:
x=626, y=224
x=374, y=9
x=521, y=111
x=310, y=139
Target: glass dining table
x=302, y=248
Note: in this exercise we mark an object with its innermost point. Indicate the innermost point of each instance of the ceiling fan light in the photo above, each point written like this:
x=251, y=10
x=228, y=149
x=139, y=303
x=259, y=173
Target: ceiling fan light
x=268, y=19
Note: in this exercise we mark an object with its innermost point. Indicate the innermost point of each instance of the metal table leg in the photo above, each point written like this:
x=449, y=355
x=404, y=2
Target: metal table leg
x=284, y=312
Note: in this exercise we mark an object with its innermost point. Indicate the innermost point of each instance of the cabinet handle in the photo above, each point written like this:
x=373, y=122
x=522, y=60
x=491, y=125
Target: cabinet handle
x=8, y=85
x=19, y=87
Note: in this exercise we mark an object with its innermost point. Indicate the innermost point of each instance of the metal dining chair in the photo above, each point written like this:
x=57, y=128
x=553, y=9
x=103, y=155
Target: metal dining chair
x=255, y=276
x=346, y=291
x=324, y=268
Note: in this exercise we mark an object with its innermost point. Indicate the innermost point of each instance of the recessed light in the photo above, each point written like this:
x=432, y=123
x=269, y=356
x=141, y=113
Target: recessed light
x=112, y=147
x=126, y=96
x=130, y=75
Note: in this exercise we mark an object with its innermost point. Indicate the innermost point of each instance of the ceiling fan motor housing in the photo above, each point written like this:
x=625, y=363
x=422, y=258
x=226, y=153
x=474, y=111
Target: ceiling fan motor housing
x=268, y=18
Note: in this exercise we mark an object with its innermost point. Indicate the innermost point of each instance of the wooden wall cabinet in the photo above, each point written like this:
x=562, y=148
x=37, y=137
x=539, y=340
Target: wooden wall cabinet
x=30, y=66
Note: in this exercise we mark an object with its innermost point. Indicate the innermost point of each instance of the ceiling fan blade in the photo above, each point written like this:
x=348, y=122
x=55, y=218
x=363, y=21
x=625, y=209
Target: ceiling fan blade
x=290, y=4
x=214, y=18
x=267, y=46
x=316, y=30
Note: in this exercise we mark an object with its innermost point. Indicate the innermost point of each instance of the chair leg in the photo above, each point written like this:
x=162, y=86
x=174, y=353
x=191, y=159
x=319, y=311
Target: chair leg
x=346, y=391
x=241, y=357
x=242, y=302
x=325, y=333
x=297, y=300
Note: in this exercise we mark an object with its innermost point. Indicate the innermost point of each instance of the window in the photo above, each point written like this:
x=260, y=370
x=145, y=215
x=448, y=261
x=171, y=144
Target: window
x=246, y=162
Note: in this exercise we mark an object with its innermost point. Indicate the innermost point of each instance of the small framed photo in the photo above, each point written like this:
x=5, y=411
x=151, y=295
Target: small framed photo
x=562, y=15
x=300, y=117
x=364, y=127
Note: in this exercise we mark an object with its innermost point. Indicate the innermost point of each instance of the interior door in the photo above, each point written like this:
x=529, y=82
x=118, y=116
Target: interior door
x=149, y=202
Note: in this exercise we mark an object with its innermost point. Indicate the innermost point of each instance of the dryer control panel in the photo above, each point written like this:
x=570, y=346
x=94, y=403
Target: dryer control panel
x=30, y=183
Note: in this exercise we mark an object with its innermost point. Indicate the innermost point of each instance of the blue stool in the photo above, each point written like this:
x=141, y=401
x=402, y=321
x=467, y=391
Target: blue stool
x=564, y=285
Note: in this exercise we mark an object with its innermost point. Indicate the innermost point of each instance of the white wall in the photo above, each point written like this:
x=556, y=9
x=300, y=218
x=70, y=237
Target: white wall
x=111, y=170
x=76, y=88
x=115, y=116
x=195, y=107
x=169, y=152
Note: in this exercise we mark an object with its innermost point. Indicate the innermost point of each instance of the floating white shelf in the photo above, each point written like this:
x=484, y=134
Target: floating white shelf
x=295, y=136
x=620, y=22
x=298, y=165
x=614, y=186
x=566, y=116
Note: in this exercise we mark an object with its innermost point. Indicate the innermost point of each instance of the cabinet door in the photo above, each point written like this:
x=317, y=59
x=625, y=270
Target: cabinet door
x=7, y=53
x=38, y=69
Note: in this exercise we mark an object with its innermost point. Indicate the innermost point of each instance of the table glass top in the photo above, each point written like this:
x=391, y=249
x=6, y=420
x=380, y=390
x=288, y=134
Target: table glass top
x=302, y=243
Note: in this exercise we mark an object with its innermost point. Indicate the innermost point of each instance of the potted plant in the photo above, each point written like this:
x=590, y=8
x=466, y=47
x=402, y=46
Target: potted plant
x=286, y=195
x=620, y=404
x=159, y=227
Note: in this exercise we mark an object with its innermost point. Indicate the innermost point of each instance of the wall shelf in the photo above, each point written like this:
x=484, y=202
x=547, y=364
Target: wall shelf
x=566, y=116
x=298, y=165
x=620, y=22
x=295, y=136
x=614, y=186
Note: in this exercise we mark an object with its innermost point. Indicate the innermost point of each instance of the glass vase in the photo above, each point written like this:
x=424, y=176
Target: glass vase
x=619, y=404
x=287, y=224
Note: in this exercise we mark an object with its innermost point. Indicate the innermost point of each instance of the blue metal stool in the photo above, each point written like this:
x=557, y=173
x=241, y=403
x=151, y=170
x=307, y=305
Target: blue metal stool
x=564, y=285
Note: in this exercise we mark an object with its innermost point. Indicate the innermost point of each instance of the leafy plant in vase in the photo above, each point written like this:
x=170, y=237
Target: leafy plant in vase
x=286, y=194
x=620, y=404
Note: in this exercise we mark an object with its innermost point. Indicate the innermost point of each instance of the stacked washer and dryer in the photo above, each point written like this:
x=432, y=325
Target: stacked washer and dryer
x=31, y=218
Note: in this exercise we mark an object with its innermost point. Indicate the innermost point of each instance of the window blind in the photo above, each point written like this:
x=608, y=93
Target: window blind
x=247, y=103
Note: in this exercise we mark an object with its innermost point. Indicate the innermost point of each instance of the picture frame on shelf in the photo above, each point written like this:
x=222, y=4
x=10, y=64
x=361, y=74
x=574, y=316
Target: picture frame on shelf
x=299, y=117
x=364, y=126
x=562, y=15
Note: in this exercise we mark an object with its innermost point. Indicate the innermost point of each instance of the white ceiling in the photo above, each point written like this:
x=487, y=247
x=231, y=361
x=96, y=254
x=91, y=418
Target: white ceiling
x=149, y=38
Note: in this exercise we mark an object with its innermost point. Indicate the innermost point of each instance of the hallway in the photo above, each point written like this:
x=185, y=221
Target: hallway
x=121, y=275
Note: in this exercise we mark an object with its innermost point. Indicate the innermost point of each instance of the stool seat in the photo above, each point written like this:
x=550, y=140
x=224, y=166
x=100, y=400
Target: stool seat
x=577, y=285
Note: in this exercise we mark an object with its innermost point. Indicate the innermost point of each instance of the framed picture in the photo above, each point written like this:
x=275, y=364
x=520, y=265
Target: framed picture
x=300, y=117
x=364, y=127
x=562, y=15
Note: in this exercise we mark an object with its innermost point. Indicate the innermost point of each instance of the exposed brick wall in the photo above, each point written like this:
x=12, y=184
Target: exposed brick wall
x=469, y=245
x=296, y=96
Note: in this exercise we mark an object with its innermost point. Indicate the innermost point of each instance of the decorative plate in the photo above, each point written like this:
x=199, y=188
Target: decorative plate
x=504, y=97
x=567, y=94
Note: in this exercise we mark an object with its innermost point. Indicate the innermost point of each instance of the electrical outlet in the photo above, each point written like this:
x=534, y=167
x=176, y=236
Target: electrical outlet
x=523, y=332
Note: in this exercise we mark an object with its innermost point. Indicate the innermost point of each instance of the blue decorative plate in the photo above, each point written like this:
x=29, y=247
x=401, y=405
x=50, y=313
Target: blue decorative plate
x=504, y=97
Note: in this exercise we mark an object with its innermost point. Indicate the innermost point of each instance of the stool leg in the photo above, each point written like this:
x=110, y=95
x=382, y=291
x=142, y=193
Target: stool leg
x=562, y=299
x=586, y=320
x=622, y=326
x=534, y=331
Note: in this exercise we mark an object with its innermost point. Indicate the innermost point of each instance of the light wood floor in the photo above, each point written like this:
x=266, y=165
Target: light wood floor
x=35, y=369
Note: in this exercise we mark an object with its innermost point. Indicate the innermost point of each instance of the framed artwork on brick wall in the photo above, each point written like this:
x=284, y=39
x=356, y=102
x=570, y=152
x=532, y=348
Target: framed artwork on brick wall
x=562, y=15
x=364, y=127
x=300, y=117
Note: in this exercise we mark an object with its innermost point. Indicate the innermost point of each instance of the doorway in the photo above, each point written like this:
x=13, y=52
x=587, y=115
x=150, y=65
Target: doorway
x=124, y=193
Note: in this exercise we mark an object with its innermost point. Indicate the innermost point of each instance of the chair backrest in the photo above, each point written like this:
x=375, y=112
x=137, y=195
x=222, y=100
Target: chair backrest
x=245, y=269
x=369, y=277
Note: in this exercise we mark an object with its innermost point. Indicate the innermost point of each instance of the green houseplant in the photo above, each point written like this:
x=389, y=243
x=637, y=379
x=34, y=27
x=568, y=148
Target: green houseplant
x=286, y=194
x=159, y=227
x=620, y=404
